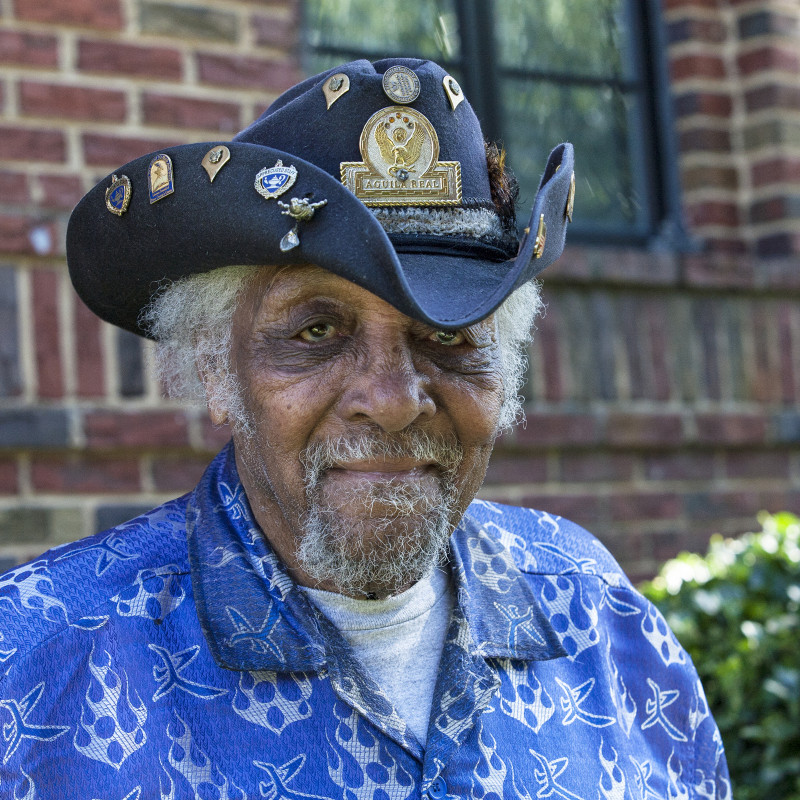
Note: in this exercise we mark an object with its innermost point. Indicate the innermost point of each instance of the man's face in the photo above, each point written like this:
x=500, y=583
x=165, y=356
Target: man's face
x=371, y=431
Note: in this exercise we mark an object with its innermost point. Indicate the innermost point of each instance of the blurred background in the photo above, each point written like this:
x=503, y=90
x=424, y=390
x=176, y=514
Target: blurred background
x=664, y=387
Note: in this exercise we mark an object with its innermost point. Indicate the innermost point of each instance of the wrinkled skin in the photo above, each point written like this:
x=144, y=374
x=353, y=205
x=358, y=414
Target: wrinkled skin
x=319, y=358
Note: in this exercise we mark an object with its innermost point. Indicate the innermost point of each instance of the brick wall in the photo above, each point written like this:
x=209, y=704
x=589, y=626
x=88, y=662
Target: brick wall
x=85, y=437
x=664, y=398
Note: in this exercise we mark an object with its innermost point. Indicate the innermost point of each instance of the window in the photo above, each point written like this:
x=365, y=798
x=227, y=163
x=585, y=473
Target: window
x=539, y=72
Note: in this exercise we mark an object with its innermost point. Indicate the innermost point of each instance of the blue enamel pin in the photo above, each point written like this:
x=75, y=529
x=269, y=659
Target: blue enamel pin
x=274, y=181
x=118, y=195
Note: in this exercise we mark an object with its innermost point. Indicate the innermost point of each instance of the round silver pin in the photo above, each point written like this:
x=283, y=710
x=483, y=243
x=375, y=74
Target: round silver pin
x=401, y=84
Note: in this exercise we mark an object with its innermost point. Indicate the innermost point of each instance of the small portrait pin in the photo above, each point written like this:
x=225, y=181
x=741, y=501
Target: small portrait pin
x=301, y=210
x=118, y=195
x=274, y=181
x=159, y=175
x=215, y=159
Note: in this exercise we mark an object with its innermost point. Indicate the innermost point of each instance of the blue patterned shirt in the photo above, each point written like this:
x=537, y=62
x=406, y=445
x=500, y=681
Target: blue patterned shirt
x=173, y=657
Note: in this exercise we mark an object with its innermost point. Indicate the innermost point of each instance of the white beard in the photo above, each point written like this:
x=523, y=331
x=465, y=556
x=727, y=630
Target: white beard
x=381, y=538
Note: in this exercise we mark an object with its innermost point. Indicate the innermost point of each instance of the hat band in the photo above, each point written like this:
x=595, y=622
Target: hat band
x=450, y=246
x=476, y=232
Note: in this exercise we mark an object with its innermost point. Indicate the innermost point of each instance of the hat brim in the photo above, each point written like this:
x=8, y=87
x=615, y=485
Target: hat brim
x=119, y=263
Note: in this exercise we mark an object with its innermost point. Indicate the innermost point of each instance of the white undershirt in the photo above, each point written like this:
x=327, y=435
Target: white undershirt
x=398, y=640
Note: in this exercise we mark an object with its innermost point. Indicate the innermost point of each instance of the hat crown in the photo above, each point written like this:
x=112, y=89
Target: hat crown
x=301, y=122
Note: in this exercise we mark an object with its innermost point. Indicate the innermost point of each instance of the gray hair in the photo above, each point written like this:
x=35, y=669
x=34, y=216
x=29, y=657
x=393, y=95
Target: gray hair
x=192, y=322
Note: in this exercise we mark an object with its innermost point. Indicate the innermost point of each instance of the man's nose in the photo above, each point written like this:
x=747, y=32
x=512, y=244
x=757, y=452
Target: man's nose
x=388, y=389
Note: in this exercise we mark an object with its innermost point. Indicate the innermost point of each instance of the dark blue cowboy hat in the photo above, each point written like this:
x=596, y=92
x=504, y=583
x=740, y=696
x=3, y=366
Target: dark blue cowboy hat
x=375, y=172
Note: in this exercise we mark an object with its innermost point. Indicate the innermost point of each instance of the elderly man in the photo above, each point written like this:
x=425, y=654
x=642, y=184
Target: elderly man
x=330, y=613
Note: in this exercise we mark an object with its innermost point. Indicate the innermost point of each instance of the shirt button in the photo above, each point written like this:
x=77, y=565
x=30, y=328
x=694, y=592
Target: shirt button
x=438, y=789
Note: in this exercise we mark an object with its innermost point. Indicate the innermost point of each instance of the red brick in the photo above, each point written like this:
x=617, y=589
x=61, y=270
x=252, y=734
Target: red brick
x=19, y=234
x=787, y=352
x=645, y=506
x=142, y=429
x=705, y=139
x=102, y=149
x=710, y=31
x=548, y=338
x=546, y=429
x=664, y=545
x=581, y=508
x=757, y=465
x=188, y=112
x=709, y=104
x=778, y=244
x=247, y=72
x=729, y=245
x=622, y=265
x=769, y=58
x=696, y=66
x=32, y=144
x=59, y=191
x=29, y=49
x=84, y=473
x=509, y=469
x=719, y=270
x=780, y=500
x=710, y=177
x=596, y=466
x=731, y=429
x=88, y=352
x=84, y=13
x=681, y=466
x=14, y=188
x=71, y=102
x=711, y=212
x=178, y=474
x=638, y=430
x=46, y=320
x=722, y=505
x=772, y=210
x=9, y=478
x=764, y=22
x=773, y=96
x=129, y=60
x=660, y=346
x=275, y=31
x=776, y=170
x=765, y=383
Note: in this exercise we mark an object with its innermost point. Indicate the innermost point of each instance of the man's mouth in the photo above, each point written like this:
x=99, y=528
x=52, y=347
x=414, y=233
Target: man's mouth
x=379, y=471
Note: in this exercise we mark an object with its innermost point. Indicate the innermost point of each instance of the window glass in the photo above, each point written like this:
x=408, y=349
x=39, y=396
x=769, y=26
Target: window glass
x=337, y=30
x=596, y=121
x=568, y=36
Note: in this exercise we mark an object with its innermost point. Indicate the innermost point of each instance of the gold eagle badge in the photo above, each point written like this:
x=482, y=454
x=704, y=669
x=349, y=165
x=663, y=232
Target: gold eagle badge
x=401, y=163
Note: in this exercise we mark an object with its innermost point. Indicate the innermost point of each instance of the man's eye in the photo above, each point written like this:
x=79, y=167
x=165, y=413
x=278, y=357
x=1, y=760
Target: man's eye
x=317, y=332
x=448, y=338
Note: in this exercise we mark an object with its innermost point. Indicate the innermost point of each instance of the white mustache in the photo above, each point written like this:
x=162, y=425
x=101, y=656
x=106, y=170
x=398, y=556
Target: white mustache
x=413, y=444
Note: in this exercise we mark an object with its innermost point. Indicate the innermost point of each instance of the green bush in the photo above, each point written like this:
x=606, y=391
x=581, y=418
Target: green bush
x=736, y=612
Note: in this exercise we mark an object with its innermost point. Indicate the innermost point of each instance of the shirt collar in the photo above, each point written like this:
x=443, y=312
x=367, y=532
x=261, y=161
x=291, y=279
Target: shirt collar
x=254, y=617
